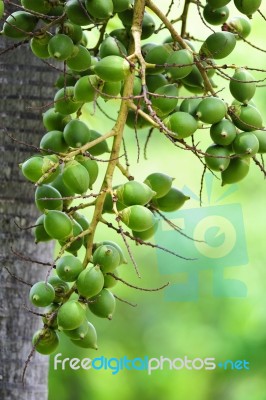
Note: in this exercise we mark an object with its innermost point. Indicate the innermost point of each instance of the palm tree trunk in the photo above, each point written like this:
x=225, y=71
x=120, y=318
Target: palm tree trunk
x=26, y=84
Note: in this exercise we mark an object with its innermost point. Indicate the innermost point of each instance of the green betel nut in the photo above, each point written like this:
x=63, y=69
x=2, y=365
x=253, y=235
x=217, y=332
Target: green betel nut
x=78, y=333
x=218, y=45
x=48, y=198
x=112, y=68
x=60, y=47
x=45, y=341
x=107, y=257
x=247, y=7
x=242, y=85
x=211, y=110
x=160, y=183
x=217, y=157
x=172, y=201
x=103, y=305
x=76, y=133
x=134, y=192
x=246, y=144
x=137, y=218
x=90, y=281
x=76, y=177
x=42, y=294
x=58, y=224
x=90, y=339
x=71, y=315
x=68, y=268
x=60, y=287
x=236, y=171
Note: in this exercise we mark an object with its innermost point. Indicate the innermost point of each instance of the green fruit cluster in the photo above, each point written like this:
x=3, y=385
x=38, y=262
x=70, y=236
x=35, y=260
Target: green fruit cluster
x=137, y=203
x=170, y=66
x=67, y=164
x=72, y=293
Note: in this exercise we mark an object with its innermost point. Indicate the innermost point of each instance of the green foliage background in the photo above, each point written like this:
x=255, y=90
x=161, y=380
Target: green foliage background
x=223, y=328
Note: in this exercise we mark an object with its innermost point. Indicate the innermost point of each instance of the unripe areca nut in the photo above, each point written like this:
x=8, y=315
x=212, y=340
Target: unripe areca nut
x=160, y=183
x=76, y=14
x=103, y=305
x=85, y=88
x=91, y=166
x=134, y=192
x=77, y=242
x=40, y=6
x=172, y=201
x=123, y=259
x=65, y=102
x=215, y=16
x=76, y=133
x=78, y=333
x=40, y=233
x=247, y=7
x=112, y=68
x=45, y=341
x=223, y=132
x=246, y=117
x=60, y=287
x=19, y=24
x=217, y=157
x=80, y=59
x=157, y=54
x=121, y=5
x=239, y=25
x=35, y=167
x=112, y=47
x=109, y=280
x=90, y=339
x=261, y=136
x=242, y=85
x=90, y=281
x=166, y=101
x=68, y=268
x=236, y=171
x=184, y=63
x=71, y=315
x=60, y=47
x=181, y=124
x=145, y=235
x=137, y=218
x=76, y=177
x=246, y=144
x=53, y=120
x=54, y=140
x=43, y=194
x=58, y=224
x=100, y=9
x=211, y=110
x=42, y=294
x=107, y=257
x=218, y=45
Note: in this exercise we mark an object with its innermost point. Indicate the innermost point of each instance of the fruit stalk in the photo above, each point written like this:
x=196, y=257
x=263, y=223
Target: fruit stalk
x=118, y=135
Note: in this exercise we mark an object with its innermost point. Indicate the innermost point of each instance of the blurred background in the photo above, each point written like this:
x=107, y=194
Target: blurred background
x=210, y=322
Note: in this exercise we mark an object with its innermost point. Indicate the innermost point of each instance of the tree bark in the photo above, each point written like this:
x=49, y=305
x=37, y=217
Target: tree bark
x=26, y=84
